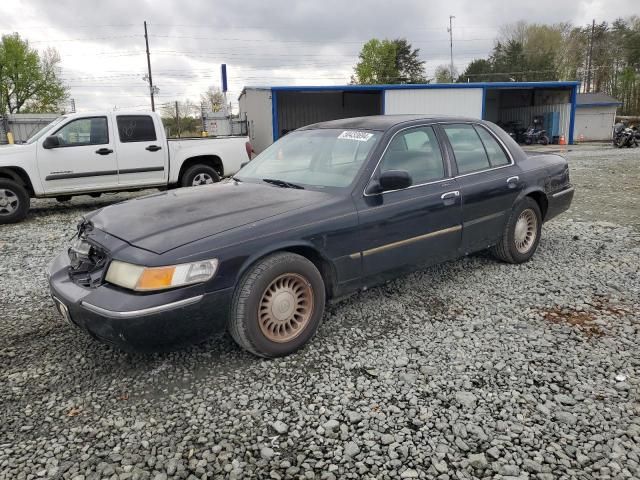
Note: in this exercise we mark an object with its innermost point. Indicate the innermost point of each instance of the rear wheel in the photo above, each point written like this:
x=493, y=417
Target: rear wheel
x=14, y=201
x=199, y=175
x=521, y=235
x=277, y=306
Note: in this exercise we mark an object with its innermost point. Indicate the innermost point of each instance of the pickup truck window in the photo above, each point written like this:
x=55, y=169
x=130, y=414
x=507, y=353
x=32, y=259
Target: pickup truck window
x=467, y=148
x=84, y=131
x=416, y=151
x=136, y=128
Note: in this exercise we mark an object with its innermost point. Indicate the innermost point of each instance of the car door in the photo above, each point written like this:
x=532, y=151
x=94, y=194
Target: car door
x=141, y=156
x=84, y=159
x=418, y=225
x=488, y=181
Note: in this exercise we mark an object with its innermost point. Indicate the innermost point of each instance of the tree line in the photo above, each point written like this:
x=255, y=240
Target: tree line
x=604, y=57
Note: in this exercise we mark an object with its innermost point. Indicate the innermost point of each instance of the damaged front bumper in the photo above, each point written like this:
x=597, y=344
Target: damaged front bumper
x=138, y=322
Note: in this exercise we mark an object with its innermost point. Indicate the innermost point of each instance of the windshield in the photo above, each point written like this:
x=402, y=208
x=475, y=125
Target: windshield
x=44, y=129
x=314, y=158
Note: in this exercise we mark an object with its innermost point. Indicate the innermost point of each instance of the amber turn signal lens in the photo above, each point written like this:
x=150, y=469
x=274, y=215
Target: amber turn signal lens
x=155, y=278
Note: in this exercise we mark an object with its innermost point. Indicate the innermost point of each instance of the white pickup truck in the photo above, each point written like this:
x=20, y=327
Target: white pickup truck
x=109, y=152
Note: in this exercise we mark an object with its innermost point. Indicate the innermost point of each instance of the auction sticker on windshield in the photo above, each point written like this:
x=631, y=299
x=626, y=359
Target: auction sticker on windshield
x=355, y=135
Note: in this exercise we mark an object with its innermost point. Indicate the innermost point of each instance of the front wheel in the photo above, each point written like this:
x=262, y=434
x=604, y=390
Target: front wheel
x=14, y=202
x=199, y=175
x=544, y=140
x=277, y=306
x=521, y=234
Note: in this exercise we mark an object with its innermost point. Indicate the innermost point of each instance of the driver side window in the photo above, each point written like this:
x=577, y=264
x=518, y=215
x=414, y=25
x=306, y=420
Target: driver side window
x=415, y=150
x=84, y=131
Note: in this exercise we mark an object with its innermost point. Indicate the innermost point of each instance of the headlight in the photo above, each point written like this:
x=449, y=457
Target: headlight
x=144, y=279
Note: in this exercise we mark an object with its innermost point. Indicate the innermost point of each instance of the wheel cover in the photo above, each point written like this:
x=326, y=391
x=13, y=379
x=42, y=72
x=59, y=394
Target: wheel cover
x=202, y=179
x=285, y=308
x=9, y=202
x=526, y=230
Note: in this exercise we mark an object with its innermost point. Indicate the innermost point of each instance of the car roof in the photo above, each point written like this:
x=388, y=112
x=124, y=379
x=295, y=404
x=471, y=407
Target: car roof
x=384, y=122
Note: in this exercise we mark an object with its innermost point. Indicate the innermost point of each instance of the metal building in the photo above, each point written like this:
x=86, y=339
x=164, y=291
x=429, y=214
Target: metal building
x=273, y=111
x=595, y=116
x=24, y=125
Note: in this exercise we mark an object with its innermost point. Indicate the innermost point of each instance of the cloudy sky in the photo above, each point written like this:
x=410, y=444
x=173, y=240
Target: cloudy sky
x=274, y=42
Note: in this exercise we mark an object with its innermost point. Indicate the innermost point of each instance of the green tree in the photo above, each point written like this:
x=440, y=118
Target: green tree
x=377, y=63
x=389, y=61
x=408, y=64
x=185, y=122
x=479, y=70
x=443, y=74
x=213, y=98
x=29, y=82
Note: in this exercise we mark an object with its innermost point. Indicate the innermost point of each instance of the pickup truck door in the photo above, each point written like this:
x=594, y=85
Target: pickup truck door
x=418, y=225
x=488, y=180
x=84, y=160
x=142, y=150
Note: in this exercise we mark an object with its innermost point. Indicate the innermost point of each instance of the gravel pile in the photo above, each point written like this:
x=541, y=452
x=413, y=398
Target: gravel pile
x=469, y=369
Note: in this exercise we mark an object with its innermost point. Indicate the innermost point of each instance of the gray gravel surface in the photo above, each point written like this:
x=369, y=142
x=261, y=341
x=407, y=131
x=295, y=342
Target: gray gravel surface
x=469, y=369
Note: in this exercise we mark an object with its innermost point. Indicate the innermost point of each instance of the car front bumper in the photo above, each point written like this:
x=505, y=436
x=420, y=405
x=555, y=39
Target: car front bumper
x=139, y=322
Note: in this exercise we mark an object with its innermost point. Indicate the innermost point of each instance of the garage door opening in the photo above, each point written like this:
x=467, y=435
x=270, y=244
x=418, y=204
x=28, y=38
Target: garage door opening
x=296, y=109
x=516, y=109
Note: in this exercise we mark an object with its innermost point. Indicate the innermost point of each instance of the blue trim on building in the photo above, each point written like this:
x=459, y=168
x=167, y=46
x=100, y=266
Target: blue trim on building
x=274, y=114
x=603, y=104
x=418, y=86
x=572, y=118
x=484, y=102
x=383, y=107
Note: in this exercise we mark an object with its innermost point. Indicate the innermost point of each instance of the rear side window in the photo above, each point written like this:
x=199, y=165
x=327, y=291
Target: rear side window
x=136, y=128
x=497, y=157
x=467, y=148
x=416, y=151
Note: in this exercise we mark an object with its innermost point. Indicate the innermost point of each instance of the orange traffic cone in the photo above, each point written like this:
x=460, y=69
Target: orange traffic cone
x=562, y=141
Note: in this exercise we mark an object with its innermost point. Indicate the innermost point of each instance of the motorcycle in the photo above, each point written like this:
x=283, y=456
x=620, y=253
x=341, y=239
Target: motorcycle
x=536, y=135
x=624, y=136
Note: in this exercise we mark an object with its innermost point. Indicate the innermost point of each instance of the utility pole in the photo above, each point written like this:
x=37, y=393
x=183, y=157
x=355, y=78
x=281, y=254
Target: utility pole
x=593, y=27
x=151, y=88
x=177, y=119
x=450, y=30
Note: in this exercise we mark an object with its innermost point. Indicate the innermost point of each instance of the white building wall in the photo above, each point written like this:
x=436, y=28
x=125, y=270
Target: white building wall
x=594, y=123
x=256, y=104
x=466, y=102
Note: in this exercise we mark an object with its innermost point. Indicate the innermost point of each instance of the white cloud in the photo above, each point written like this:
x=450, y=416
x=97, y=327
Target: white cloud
x=263, y=43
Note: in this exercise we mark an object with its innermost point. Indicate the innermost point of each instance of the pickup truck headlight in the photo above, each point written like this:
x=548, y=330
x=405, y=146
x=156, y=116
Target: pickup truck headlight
x=145, y=279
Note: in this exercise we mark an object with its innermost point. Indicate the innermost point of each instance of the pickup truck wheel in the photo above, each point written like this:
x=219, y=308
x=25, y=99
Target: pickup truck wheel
x=14, y=202
x=277, y=306
x=199, y=175
x=521, y=235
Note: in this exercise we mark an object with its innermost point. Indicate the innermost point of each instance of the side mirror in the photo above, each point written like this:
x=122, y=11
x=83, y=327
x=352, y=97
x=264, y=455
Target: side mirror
x=394, y=180
x=51, y=142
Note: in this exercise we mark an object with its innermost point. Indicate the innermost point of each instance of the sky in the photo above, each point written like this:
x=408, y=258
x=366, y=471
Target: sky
x=263, y=42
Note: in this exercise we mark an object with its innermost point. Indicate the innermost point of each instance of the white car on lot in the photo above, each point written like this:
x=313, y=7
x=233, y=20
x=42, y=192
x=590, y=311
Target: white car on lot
x=109, y=152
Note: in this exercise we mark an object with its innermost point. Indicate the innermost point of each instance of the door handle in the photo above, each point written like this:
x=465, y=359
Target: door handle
x=104, y=151
x=448, y=195
x=153, y=148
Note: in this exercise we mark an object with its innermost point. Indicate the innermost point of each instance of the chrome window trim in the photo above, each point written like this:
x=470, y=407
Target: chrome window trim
x=504, y=147
x=144, y=311
x=443, y=179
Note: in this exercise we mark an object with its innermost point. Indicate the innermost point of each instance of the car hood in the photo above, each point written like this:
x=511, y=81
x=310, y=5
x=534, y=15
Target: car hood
x=167, y=220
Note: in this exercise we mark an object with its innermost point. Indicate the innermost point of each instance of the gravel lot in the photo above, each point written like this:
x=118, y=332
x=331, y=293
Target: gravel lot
x=469, y=369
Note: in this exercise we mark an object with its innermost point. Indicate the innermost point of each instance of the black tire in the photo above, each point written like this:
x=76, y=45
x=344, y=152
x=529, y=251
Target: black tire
x=14, y=202
x=250, y=294
x=506, y=249
x=206, y=172
x=527, y=141
x=544, y=140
